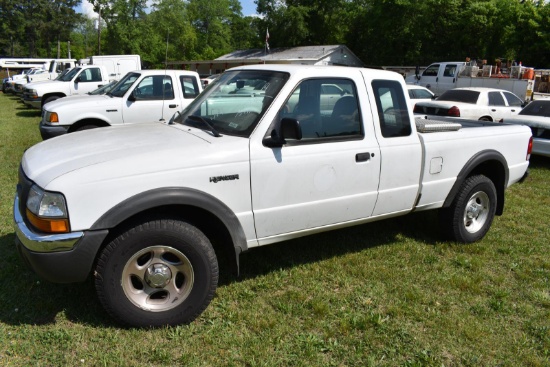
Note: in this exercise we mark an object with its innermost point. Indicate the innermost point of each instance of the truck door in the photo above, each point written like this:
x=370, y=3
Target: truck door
x=400, y=149
x=87, y=80
x=330, y=176
x=439, y=77
x=429, y=77
x=447, y=78
x=152, y=99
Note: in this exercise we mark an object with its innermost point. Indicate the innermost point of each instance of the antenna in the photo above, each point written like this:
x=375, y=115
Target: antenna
x=163, y=87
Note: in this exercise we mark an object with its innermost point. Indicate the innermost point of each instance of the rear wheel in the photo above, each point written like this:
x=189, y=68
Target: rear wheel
x=472, y=211
x=160, y=272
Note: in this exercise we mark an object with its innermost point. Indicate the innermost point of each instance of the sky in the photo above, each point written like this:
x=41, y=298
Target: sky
x=249, y=8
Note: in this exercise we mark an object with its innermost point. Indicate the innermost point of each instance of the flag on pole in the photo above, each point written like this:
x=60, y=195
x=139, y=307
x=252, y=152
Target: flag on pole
x=267, y=38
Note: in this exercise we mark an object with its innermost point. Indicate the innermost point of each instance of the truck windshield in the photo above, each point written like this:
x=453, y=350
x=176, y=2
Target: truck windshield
x=123, y=85
x=459, y=95
x=63, y=73
x=235, y=102
x=70, y=75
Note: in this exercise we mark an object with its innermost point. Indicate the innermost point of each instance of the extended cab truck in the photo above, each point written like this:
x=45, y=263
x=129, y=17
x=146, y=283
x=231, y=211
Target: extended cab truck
x=140, y=206
x=79, y=80
x=140, y=96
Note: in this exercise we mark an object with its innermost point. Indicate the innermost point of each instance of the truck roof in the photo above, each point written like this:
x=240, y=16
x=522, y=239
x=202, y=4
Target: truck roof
x=156, y=71
x=317, y=70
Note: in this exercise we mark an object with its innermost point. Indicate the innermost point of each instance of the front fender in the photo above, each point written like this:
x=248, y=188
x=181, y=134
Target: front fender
x=175, y=196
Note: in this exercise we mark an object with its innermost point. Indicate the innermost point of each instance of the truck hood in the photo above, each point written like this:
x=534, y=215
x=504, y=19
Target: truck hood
x=78, y=102
x=44, y=85
x=122, y=151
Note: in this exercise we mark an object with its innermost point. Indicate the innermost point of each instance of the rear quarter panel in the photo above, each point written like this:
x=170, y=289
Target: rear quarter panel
x=446, y=153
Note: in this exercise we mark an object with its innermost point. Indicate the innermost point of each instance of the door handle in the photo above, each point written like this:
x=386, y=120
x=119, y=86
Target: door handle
x=494, y=110
x=172, y=106
x=363, y=157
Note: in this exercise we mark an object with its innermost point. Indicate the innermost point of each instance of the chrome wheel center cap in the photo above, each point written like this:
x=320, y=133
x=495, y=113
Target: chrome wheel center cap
x=158, y=275
x=473, y=211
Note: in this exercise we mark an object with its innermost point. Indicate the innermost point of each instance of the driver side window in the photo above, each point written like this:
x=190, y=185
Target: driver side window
x=325, y=108
x=155, y=87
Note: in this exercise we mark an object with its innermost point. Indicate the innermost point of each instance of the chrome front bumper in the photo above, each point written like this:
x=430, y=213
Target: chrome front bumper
x=41, y=242
x=59, y=258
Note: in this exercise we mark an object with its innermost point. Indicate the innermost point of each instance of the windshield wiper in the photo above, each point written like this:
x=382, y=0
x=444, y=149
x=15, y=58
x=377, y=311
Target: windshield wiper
x=210, y=127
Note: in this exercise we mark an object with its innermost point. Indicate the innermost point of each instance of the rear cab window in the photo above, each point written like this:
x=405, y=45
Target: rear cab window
x=392, y=108
x=189, y=86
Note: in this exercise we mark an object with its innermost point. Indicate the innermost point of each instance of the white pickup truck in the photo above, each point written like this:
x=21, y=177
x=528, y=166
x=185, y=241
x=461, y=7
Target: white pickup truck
x=78, y=81
x=140, y=207
x=140, y=96
x=442, y=76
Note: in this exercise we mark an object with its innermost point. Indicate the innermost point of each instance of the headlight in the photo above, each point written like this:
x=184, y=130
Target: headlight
x=33, y=93
x=47, y=211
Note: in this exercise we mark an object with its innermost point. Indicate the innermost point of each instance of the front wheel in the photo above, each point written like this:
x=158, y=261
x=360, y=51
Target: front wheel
x=50, y=99
x=472, y=211
x=160, y=272
x=86, y=127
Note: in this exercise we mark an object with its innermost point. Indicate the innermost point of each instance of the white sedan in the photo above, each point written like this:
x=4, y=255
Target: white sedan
x=484, y=104
x=536, y=115
x=418, y=93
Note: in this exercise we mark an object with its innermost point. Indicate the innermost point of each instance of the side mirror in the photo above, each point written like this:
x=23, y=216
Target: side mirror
x=240, y=84
x=132, y=97
x=289, y=128
x=78, y=79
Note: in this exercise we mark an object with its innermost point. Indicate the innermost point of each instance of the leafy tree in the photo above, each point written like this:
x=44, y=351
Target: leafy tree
x=175, y=38
x=212, y=22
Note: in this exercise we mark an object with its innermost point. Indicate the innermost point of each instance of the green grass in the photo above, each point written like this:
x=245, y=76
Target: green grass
x=389, y=293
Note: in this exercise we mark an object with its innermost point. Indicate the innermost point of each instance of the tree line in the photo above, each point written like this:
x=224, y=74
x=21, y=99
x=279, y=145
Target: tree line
x=379, y=32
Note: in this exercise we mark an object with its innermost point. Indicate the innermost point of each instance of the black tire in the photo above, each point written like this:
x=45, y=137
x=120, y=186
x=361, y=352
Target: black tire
x=86, y=127
x=472, y=211
x=156, y=273
x=485, y=118
x=49, y=99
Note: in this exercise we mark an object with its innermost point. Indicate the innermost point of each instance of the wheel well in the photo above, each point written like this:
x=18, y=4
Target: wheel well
x=205, y=221
x=96, y=122
x=46, y=96
x=492, y=169
x=485, y=118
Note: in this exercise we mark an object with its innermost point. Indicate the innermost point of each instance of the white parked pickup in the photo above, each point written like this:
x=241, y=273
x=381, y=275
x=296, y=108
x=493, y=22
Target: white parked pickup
x=139, y=206
x=140, y=96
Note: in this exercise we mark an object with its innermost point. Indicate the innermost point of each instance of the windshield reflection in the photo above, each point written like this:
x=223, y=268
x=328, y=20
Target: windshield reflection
x=235, y=102
x=123, y=85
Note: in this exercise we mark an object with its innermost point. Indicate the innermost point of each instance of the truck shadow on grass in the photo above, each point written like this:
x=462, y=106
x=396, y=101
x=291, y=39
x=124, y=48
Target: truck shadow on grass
x=537, y=161
x=27, y=299
x=310, y=249
x=22, y=111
